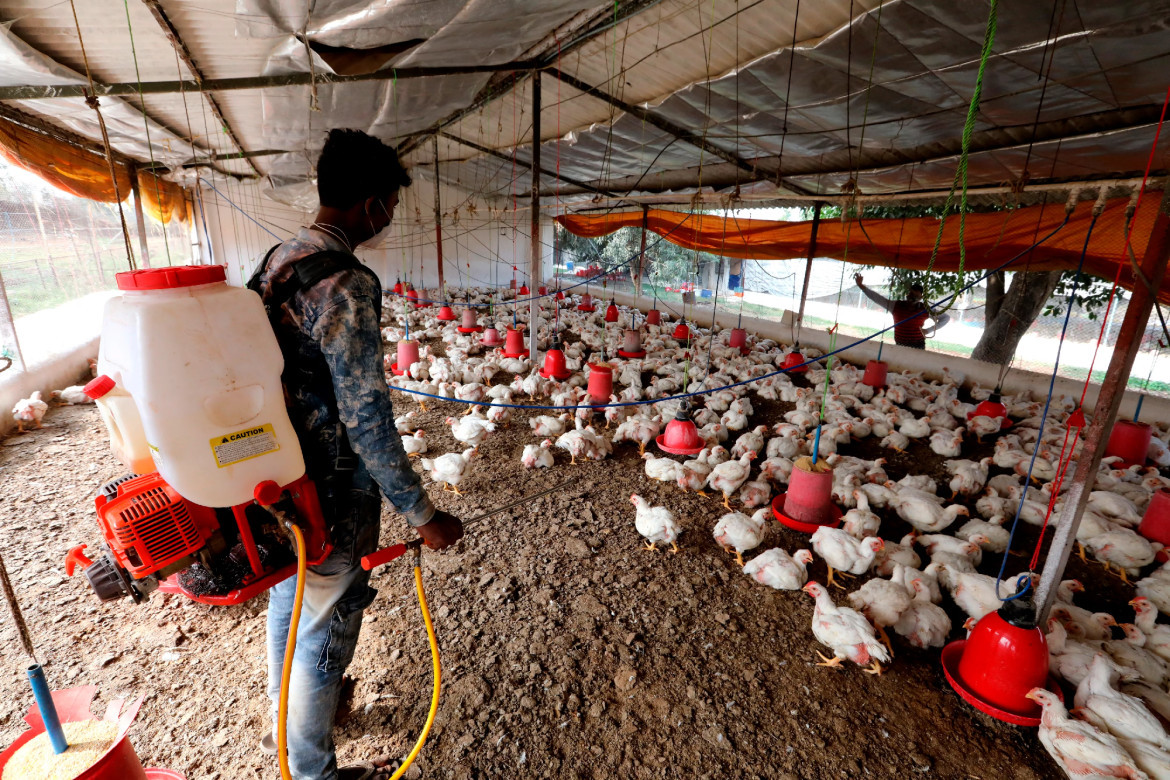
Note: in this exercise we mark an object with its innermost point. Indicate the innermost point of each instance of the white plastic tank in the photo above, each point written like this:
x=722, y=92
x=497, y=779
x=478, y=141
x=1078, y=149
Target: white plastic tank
x=123, y=423
x=202, y=365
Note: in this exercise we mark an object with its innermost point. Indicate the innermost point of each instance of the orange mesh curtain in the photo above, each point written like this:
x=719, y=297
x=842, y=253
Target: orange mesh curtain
x=990, y=240
x=76, y=171
x=161, y=199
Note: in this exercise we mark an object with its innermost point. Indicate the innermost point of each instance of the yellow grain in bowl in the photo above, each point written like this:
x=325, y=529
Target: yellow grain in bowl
x=88, y=741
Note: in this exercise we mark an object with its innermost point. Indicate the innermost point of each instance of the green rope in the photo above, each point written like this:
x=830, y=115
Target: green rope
x=961, y=169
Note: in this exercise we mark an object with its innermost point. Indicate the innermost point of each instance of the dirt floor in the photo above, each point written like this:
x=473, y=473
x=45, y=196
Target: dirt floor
x=568, y=650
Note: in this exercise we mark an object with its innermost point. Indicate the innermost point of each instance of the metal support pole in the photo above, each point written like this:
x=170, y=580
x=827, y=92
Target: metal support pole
x=438, y=215
x=143, y=248
x=534, y=274
x=812, y=251
x=1129, y=339
x=8, y=329
x=641, y=254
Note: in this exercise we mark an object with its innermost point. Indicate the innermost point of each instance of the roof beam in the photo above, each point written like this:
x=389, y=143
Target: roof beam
x=133, y=88
x=507, y=158
x=184, y=53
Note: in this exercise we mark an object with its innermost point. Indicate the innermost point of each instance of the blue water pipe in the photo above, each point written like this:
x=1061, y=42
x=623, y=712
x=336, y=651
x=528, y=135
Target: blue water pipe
x=48, y=710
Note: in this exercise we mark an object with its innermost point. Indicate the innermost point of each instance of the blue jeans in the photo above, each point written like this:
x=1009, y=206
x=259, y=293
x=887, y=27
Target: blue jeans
x=336, y=593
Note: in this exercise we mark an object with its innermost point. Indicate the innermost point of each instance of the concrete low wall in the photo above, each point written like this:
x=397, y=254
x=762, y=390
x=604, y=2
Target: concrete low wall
x=63, y=370
x=929, y=363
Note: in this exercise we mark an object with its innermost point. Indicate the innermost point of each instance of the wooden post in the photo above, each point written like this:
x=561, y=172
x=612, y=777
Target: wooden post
x=641, y=254
x=534, y=270
x=8, y=328
x=812, y=251
x=1129, y=340
x=196, y=244
x=45, y=241
x=143, y=248
x=438, y=214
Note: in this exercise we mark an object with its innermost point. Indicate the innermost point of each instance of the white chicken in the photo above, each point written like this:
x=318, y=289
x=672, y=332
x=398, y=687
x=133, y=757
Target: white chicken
x=662, y=469
x=29, y=410
x=1124, y=549
x=549, y=426
x=1079, y=748
x=949, y=444
x=415, y=444
x=693, y=474
x=657, y=524
x=1123, y=716
x=471, y=430
x=638, y=428
x=74, y=395
x=755, y=493
x=859, y=522
x=777, y=569
x=922, y=511
x=968, y=477
x=844, y=553
x=846, y=632
x=1157, y=634
x=923, y=624
x=537, y=456
x=727, y=477
x=739, y=533
x=450, y=469
x=882, y=602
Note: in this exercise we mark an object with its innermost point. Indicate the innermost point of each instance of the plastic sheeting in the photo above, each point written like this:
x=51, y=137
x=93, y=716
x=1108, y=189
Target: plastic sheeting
x=991, y=239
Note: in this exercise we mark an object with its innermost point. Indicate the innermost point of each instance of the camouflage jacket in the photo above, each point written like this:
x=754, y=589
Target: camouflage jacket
x=335, y=385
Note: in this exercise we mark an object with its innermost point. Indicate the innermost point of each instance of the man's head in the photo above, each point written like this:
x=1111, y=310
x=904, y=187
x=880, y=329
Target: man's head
x=915, y=293
x=358, y=178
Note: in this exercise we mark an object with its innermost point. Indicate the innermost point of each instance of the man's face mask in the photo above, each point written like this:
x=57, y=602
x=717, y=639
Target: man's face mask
x=379, y=239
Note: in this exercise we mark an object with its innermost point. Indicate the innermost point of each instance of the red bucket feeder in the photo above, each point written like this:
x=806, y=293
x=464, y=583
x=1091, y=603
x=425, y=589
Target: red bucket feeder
x=1005, y=657
x=554, y=365
x=681, y=333
x=491, y=338
x=1155, y=524
x=875, y=373
x=992, y=408
x=792, y=363
x=513, y=285
x=586, y=303
x=1130, y=441
x=445, y=313
x=600, y=383
x=542, y=290
x=681, y=437
x=808, y=503
x=469, y=324
x=611, y=312
x=632, y=346
x=738, y=340
x=523, y=290
x=407, y=357
x=412, y=296
x=654, y=317
x=398, y=287
x=560, y=296
x=120, y=762
x=514, y=344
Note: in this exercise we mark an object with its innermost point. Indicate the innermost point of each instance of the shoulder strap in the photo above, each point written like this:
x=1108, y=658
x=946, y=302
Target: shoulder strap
x=309, y=271
x=254, y=282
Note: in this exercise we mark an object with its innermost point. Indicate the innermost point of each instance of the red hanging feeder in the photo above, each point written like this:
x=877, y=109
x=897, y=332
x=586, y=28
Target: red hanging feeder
x=792, y=363
x=554, y=364
x=491, y=338
x=542, y=290
x=469, y=324
x=1130, y=441
x=808, y=503
x=1005, y=656
x=682, y=333
x=1155, y=524
x=586, y=303
x=600, y=383
x=514, y=344
x=681, y=437
x=654, y=317
x=992, y=408
x=407, y=356
x=632, y=346
x=412, y=296
x=560, y=296
x=523, y=290
x=398, y=287
x=445, y=313
x=611, y=312
x=738, y=340
x=875, y=373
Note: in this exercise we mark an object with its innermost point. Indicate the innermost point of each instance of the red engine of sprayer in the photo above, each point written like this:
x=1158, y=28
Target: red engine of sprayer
x=157, y=540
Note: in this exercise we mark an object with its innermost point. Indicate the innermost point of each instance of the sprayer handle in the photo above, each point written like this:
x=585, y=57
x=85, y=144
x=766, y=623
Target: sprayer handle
x=76, y=555
x=385, y=555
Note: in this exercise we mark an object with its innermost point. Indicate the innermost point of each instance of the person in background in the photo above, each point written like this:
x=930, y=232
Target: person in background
x=909, y=315
x=339, y=404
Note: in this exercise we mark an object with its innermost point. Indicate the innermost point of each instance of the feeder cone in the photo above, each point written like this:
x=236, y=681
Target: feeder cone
x=560, y=295
x=542, y=290
x=513, y=286
x=524, y=290
x=398, y=287
x=1130, y=441
x=611, y=312
x=600, y=383
x=681, y=437
x=738, y=340
x=1155, y=524
x=491, y=338
x=514, y=344
x=445, y=313
x=469, y=323
x=632, y=346
x=808, y=503
x=120, y=762
x=681, y=332
x=554, y=364
x=792, y=363
x=1005, y=656
x=875, y=373
x=407, y=356
x=992, y=408
x=654, y=317
x=586, y=303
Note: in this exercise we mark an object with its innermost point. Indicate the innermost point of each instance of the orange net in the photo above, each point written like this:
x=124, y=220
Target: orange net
x=991, y=239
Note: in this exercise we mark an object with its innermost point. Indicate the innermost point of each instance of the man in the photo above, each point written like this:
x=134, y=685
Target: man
x=328, y=328
x=909, y=315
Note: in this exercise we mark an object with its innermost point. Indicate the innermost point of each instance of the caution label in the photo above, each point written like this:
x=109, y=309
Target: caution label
x=232, y=448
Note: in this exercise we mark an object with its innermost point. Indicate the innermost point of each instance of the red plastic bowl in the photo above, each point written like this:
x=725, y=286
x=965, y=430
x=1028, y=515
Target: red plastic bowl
x=680, y=438
x=797, y=525
x=952, y=654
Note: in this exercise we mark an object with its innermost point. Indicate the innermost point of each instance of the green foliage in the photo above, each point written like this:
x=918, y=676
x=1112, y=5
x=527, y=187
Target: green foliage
x=666, y=262
x=1092, y=294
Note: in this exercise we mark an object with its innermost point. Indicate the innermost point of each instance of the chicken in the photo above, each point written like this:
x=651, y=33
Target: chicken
x=776, y=569
x=1156, y=588
x=1131, y=653
x=29, y=410
x=993, y=536
x=1125, y=550
x=934, y=544
x=638, y=428
x=859, y=522
x=736, y=531
x=73, y=395
x=450, y=469
x=693, y=474
x=846, y=632
x=662, y=469
x=1125, y=717
x=922, y=511
x=974, y=593
x=915, y=428
x=470, y=430
x=1069, y=658
x=882, y=602
x=656, y=524
x=967, y=476
x=895, y=441
x=752, y=441
x=949, y=444
x=538, y=456
x=981, y=425
x=415, y=444
x=727, y=477
x=1114, y=506
x=842, y=552
x=548, y=426
x=1157, y=634
x=1078, y=748
x=924, y=624
x=895, y=553
x=1083, y=624
x=404, y=423
x=755, y=493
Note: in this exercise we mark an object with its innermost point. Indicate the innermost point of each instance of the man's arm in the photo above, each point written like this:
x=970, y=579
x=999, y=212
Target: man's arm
x=351, y=343
x=880, y=300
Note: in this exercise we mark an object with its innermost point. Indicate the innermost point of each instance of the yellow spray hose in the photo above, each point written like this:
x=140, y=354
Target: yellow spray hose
x=438, y=672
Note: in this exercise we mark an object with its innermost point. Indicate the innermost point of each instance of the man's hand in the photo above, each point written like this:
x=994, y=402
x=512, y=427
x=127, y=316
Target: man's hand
x=442, y=532
x=858, y=279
